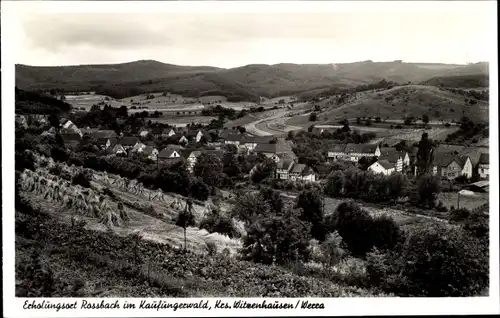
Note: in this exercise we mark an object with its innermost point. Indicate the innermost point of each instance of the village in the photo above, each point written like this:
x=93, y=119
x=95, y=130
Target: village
x=449, y=161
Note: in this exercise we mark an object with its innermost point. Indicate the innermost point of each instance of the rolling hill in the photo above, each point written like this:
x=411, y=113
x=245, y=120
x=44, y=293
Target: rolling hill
x=242, y=83
x=400, y=102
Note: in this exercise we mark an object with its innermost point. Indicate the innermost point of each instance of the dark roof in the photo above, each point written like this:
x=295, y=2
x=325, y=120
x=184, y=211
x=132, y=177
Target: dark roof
x=271, y=148
x=484, y=159
x=354, y=148
x=71, y=137
x=323, y=169
x=185, y=153
x=391, y=154
x=283, y=146
x=444, y=160
x=217, y=153
x=128, y=141
x=338, y=148
x=233, y=137
x=287, y=155
x=258, y=139
x=298, y=168
x=386, y=164
x=284, y=164
x=96, y=133
x=167, y=152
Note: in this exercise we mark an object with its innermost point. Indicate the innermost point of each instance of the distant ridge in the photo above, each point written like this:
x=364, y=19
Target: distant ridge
x=247, y=82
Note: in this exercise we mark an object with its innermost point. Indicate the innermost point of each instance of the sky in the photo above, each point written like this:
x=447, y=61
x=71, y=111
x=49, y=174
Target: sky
x=451, y=33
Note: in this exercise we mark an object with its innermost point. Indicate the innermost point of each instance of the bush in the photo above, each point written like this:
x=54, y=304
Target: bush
x=216, y=222
x=313, y=116
x=434, y=261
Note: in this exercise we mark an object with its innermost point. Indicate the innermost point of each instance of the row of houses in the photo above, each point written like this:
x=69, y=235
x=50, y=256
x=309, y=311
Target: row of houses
x=448, y=162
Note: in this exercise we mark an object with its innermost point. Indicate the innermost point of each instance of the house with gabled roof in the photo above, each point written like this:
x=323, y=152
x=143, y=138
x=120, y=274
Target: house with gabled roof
x=451, y=167
x=382, y=166
x=250, y=142
x=302, y=172
x=354, y=152
x=128, y=142
x=191, y=157
x=274, y=151
x=171, y=152
x=68, y=127
x=117, y=150
x=400, y=159
x=283, y=169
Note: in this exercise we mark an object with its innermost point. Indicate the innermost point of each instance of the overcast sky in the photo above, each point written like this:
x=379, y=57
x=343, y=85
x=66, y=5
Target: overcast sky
x=236, y=39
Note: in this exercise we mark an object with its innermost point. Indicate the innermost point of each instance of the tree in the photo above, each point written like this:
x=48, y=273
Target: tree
x=425, y=119
x=435, y=260
x=263, y=171
x=273, y=198
x=424, y=155
x=209, y=168
x=55, y=121
x=312, y=117
x=331, y=250
x=219, y=223
x=281, y=101
x=427, y=190
x=277, y=239
x=249, y=207
x=311, y=206
x=185, y=219
x=199, y=189
x=334, y=184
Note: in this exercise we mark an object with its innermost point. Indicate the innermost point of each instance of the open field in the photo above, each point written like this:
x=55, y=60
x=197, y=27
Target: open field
x=158, y=224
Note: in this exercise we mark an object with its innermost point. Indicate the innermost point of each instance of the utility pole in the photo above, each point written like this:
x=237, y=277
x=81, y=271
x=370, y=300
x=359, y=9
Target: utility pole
x=458, y=201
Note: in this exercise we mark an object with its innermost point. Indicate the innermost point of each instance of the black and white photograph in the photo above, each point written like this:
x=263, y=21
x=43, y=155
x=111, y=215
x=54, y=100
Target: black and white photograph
x=209, y=150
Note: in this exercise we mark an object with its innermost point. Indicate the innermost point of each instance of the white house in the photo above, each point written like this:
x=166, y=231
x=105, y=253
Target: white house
x=451, y=167
x=382, y=166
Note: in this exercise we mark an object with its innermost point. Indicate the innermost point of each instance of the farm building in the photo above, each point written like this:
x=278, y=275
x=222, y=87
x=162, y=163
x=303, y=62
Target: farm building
x=274, y=151
x=250, y=142
x=484, y=166
x=230, y=137
x=382, y=166
x=354, y=152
